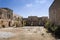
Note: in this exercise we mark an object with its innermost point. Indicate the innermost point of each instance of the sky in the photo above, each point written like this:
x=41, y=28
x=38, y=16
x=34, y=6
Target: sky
x=27, y=8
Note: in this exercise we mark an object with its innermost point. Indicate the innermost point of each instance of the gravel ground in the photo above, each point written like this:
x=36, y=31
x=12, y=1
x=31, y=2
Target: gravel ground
x=6, y=34
x=25, y=33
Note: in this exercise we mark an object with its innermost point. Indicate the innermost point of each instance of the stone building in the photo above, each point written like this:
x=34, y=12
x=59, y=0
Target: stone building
x=34, y=21
x=42, y=20
x=6, y=13
x=54, y=12
x=6, y=17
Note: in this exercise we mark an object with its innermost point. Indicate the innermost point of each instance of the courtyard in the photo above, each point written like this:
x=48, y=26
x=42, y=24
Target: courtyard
x=25, y=33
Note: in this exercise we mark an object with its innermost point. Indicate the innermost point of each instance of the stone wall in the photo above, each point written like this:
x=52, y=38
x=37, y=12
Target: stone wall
x=6, y=13
x=17, y=20
x=7, y=19
x=34, y=21
x=54, y=12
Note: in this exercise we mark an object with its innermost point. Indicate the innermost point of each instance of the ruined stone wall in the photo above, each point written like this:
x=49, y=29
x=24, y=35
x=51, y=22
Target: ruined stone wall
x=6, y=13
x=34, y=21
x=7, y=19
x=17, y=21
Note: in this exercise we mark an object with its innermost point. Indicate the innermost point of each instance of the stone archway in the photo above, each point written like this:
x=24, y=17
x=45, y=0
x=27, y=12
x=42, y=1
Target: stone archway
x=9, y=23
x=3, y=26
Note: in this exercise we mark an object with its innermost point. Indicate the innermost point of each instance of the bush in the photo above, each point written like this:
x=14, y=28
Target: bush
x=51, y=26
x=57, y=33
x=54, y=29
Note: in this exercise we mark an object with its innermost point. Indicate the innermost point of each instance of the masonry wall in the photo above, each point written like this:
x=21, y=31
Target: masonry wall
x=7, y=19
x=35, y=21
x=54, y=12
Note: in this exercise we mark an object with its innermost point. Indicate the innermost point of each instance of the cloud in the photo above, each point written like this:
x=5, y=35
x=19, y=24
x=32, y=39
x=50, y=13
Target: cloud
x=41, y=1
x=28, y=5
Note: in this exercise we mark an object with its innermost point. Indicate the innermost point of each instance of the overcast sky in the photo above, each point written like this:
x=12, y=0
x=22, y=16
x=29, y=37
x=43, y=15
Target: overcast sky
x=28, y=7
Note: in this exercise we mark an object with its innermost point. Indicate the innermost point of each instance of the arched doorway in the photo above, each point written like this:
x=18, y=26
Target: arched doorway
x=9, y=24
x=3, y=26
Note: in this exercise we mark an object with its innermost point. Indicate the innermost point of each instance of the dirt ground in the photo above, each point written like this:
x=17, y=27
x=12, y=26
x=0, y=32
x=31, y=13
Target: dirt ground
x=25, y=33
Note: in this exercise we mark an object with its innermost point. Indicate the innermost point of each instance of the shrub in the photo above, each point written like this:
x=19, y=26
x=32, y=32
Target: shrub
x=55, y=29
x=51, y=26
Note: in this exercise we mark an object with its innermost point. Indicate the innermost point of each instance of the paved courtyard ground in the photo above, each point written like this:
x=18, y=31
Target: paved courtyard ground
x=25, y=33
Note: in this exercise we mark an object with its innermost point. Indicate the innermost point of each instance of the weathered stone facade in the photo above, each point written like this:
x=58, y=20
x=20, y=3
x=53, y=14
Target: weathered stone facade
x=6, y=13
x=54, y=12
x=7, y=19
x=17, y=21
x=34, y=21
